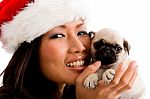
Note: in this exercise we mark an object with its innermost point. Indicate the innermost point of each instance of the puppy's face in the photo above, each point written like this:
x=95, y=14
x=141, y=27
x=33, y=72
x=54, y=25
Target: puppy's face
x=109, y=47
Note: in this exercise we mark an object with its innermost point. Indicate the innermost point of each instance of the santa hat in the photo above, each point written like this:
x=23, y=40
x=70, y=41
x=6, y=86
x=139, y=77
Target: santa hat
x=25, y=20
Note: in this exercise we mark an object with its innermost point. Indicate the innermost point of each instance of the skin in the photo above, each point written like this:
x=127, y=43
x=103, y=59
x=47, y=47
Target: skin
x=123, y=80
x=66, y=44
x=62, y=45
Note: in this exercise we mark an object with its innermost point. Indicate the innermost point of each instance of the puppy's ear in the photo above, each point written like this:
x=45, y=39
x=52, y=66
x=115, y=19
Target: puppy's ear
x=126, y=46
x=91, y=34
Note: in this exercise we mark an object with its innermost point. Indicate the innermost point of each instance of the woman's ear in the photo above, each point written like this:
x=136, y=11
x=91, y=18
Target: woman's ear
x=126, y=46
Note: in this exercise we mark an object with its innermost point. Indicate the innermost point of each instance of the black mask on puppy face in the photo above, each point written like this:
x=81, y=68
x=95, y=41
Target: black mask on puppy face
x=106, y=52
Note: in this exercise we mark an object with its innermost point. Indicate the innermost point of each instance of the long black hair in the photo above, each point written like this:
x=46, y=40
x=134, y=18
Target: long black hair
x=22, y=78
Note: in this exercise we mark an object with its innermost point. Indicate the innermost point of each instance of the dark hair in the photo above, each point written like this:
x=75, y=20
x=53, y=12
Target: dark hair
x=22, y=78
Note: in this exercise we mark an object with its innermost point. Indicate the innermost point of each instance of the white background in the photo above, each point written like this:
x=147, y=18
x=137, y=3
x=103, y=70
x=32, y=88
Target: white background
x=131, y=18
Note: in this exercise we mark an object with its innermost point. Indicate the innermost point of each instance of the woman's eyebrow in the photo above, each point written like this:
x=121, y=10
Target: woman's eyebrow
x=80, y=24
x=62, y=26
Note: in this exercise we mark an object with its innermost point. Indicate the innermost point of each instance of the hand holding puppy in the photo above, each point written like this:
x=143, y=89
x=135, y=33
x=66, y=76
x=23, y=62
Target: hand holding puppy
x=121, y=83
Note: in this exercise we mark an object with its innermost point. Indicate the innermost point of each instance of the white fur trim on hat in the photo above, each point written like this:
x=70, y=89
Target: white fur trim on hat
x=38, y=18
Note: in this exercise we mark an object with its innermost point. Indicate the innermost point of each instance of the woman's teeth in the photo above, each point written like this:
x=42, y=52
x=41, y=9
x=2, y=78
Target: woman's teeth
x=75, y=64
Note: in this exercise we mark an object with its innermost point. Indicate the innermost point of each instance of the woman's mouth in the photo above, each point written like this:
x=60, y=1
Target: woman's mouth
x=76, y=66
x=77, y=63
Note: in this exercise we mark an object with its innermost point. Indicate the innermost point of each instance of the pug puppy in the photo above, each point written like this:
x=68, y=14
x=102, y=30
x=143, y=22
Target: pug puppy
x=111, y=49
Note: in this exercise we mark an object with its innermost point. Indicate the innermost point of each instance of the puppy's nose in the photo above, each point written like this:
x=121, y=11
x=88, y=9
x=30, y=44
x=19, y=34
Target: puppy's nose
x=108, y=51
x=106, y=55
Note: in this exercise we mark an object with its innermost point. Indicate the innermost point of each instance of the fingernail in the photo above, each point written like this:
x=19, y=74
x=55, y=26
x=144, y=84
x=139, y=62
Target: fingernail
x=97, y=63
x=135, y=63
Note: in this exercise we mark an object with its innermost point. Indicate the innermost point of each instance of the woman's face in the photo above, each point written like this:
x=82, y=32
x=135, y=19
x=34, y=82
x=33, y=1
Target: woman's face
x=64, y=52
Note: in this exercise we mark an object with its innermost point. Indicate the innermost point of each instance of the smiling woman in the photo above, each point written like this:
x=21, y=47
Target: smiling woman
x=53, y=53
x=61, y=42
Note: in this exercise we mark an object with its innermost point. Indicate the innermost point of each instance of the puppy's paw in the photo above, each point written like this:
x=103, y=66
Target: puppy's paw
x=108, y=76
x=91, y=81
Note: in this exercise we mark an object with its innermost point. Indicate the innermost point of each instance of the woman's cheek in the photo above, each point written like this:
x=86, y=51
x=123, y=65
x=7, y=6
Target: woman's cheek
x=57, y=49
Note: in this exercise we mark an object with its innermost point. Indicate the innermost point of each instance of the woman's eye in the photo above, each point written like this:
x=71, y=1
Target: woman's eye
x=82, y=33
x=57, y=36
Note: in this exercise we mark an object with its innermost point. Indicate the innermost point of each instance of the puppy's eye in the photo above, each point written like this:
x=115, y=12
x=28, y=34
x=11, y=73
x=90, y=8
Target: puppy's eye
x=54, y=36
x=118, y=48
x=82, y=33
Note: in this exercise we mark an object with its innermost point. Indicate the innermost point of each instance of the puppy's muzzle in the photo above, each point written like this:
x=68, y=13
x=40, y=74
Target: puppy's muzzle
x=106, y=55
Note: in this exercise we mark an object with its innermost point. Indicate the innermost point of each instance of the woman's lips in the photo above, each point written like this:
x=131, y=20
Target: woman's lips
x=77, y=68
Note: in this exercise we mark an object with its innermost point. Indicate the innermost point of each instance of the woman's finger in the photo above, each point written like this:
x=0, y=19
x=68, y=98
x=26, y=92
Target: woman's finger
x=126, y=77
x=119, y=72
x=130, y=84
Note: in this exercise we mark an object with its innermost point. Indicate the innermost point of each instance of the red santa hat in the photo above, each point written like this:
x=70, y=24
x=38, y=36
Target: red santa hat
x=25, y=20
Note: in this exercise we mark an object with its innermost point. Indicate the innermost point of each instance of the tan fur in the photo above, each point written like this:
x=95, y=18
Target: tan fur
x=111, y=36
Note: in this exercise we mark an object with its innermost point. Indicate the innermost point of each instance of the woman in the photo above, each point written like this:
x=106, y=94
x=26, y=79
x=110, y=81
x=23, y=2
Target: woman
x=51, y=57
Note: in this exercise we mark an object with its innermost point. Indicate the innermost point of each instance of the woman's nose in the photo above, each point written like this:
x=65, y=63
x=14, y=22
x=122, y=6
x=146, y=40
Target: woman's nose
x=76, y=45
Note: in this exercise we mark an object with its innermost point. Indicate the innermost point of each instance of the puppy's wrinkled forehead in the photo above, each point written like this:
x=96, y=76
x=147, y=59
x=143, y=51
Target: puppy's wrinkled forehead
x=109, y=35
